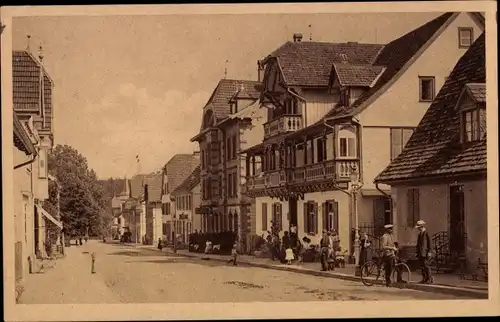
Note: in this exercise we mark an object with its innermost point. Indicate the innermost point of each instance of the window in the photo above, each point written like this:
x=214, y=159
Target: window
x=413, y=214
x=264, y=216
x=310, y=217
x=344, y=97
x=42, y=163
x=234, y=148
x=399, y=138
x=291, y=106
x=331, y=215
x=235, y=185
x=230, y=221
x=229, y=188
x=278, y=216
x=229, y=145
x=474, y=125
x=321, y=149
x=347, y=147
x=427, y=88
x=465, y=37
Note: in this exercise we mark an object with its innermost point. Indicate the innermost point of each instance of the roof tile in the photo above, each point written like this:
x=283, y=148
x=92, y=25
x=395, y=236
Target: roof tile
x=357, y=75
x=189, y=183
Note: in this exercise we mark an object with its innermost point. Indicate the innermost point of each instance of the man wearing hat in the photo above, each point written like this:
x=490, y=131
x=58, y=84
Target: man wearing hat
x=423, y=252
x=389, y=254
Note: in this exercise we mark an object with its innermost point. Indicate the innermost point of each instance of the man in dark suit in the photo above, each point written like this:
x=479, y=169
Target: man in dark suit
x=424, y=252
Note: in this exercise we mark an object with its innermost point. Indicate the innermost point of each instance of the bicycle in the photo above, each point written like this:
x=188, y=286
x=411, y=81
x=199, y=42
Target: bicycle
x=373, y=271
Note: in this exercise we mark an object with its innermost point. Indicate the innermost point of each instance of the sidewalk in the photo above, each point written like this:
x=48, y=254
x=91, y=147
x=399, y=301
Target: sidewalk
x=446, y=284
x=69, y=281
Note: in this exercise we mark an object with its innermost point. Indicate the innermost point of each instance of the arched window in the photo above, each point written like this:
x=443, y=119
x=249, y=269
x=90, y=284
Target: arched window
x=235, y=222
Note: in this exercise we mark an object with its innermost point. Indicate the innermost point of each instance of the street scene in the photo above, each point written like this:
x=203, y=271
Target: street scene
x=207, y=158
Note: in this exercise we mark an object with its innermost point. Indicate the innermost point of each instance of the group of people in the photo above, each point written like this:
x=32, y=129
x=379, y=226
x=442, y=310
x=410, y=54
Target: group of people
x=390, y=250
x=329, y=248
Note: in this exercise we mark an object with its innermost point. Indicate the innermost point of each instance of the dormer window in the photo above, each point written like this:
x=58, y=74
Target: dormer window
x=471, y=106
x=474, y=124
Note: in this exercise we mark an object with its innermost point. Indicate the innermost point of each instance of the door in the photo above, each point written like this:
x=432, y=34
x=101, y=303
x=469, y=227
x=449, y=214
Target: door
x=457, y=231
x=292, y=212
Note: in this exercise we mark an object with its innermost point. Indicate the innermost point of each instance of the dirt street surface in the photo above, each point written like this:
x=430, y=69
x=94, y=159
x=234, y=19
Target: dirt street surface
x=125, y=274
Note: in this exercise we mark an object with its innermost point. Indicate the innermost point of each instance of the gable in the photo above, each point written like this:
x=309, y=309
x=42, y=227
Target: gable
x=273, y=78
x=436, y=61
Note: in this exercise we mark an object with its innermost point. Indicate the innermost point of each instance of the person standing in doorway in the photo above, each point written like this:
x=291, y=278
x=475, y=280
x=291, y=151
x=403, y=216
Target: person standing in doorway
x=389, y=254
x=424, y=252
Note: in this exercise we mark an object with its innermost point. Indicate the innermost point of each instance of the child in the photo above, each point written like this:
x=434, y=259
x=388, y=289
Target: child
x=234, y=255
x=289, y=255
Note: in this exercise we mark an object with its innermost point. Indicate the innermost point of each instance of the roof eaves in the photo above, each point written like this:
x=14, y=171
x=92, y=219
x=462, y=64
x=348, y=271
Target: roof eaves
x=20, y=132
x=405, y=67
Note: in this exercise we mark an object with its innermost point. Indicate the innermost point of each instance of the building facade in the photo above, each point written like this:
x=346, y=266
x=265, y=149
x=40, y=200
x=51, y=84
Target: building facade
x=343, y=109
x=187, y=197
x=175, y=171
x=440, y=177
x=33, y=116
x=230, y=123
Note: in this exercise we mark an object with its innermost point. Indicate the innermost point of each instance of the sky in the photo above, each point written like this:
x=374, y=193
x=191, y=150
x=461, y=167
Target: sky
x=137, y=85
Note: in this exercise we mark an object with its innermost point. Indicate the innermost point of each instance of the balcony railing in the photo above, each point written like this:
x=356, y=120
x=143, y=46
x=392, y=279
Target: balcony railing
x=339, y=170
x=283, y=124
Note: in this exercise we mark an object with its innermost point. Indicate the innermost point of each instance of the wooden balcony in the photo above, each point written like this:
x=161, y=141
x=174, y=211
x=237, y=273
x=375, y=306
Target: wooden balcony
x=283, y=124
x=339, y=170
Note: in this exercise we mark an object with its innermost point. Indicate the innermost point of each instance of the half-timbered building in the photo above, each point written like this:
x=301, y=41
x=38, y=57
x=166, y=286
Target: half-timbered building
x=335, y=109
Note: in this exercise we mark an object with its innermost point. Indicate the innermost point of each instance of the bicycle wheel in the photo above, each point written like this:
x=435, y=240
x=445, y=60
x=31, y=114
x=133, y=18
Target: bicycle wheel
x=369, y=273
x=405, y=275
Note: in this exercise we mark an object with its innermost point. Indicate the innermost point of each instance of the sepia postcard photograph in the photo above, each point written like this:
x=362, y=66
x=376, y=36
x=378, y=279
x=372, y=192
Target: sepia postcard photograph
x=250, y=161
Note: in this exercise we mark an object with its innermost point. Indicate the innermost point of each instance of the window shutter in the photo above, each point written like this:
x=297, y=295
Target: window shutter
x=335, y=211
x=409, y=215
x=280, y=216
x=306, y=215
x=315, y=218
x=407, y=133
x=416, y=206
x=351, y=146
x=395, y=143
x=264, y=216
x=325, y=215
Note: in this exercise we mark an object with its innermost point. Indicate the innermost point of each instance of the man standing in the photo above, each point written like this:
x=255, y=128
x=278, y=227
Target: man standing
x=423, y=252
x=389, y=254
x=325, y=248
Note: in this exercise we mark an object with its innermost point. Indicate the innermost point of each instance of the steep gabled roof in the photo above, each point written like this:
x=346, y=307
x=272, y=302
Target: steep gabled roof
x=434, y=148
x=26, y=81
x=154, y=182
x=309, y=63
x=178, y=168
x=476, y=91
x=225, y=90
x=397, y=57
x=189, y=183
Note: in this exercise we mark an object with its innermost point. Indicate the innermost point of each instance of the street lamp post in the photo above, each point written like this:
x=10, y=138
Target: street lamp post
x=355, y=186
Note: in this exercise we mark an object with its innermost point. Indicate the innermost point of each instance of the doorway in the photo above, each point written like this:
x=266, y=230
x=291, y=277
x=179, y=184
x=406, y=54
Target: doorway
x=457, y=231
x=292, y=212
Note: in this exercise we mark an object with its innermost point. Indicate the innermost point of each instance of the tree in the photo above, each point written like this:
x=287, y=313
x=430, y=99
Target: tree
x=82, y=199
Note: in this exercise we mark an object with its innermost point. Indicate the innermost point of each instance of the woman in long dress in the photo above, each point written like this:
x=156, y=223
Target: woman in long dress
x=289, y=255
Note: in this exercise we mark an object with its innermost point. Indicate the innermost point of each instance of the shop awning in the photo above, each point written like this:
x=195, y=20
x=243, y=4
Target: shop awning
x=49, y=216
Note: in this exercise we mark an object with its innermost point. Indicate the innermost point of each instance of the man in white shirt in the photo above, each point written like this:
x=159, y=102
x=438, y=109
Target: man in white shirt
x=389, y=254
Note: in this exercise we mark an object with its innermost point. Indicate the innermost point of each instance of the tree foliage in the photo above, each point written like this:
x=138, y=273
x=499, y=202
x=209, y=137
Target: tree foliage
x=82, y=199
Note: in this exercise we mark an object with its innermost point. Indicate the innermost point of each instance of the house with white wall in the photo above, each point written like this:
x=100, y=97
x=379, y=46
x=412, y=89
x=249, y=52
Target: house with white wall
x=339, y=108
x=33, y=116
x=440, y=176
x=187, y=199
x=174, y=172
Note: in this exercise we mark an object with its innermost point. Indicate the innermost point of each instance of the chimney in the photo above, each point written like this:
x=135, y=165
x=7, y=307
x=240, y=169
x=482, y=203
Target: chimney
x=297, y=37
x=260, y=70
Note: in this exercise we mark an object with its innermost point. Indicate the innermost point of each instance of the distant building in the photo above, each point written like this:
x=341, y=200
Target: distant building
x=187, y=199
x=232, y=121
x=440, y=176
x=174, y=172
x=118, y=227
